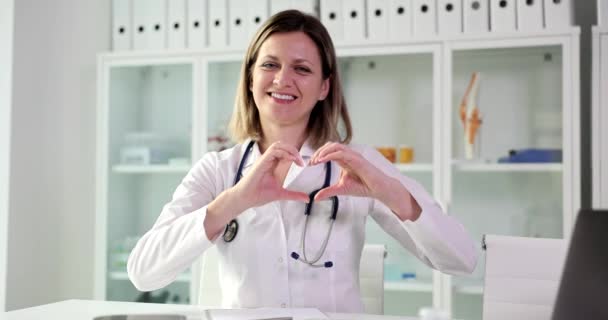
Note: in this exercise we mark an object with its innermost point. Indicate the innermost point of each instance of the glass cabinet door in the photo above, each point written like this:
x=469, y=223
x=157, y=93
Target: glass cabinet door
x=149, y=151
x=390, y=100
x=509, y=180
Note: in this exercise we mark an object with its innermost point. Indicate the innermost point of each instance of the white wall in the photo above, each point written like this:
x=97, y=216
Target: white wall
x=51, y=221
x=6, y=58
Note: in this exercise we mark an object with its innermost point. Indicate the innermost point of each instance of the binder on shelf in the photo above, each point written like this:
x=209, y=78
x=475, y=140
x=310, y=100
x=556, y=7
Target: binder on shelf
x=400, y=15
x=377, y=19
x=476, y=16
x=331, y=17
x=121, y=25
x=425, y=17
x=602, y=14
x=176, y=24
x=197, y=24
x=449, y=17
x=279, y=5
x=502, y=15
x=218, y=30
x=140, y=25
x=308, y=6
x=257, y=13
x=157, y=24
x=558, y=14
x=237, y=27
x=529, y=15
x=353, y=12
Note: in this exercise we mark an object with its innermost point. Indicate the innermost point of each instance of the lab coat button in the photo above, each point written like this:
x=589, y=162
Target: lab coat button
x=280, y=260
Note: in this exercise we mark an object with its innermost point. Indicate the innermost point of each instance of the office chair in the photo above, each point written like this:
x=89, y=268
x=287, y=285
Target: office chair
x=522, y=277
x=371, y=279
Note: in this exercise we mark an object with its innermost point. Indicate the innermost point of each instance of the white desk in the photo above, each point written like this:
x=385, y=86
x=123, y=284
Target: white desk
x=88, y=309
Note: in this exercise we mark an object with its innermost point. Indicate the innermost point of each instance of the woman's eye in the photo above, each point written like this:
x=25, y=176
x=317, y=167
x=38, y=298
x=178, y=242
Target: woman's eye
x=268, y=65
x=303, y=69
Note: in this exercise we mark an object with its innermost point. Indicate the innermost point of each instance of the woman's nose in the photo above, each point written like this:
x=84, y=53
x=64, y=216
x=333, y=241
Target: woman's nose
x=282, y=78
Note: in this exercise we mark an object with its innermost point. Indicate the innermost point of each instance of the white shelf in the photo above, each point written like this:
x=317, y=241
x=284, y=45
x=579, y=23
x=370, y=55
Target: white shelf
x=154, y=168
x=409, y=285
x=472, y=287
x=414, y=167
x=508, y=167
x=121, y=275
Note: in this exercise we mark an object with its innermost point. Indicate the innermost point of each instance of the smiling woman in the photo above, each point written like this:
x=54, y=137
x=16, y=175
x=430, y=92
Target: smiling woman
x=261, y=203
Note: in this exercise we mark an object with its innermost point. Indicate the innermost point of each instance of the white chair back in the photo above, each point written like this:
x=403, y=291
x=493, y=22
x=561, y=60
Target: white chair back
x=209, y=294
x=371, y=279
x=522, y=277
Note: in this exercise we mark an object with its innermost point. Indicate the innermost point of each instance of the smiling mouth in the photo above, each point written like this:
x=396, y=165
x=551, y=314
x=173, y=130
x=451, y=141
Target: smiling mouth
x=282, y=97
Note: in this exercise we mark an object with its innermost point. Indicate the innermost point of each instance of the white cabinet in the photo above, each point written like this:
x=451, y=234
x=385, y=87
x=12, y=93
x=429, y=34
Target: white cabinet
x=599, y=117
x=398, y=93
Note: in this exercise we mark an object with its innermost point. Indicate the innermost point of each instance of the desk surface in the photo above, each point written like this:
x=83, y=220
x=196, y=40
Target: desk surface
x=88, y=309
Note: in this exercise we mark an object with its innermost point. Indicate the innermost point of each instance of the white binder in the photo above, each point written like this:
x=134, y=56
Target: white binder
x=502, y=15
x=425, y=18
x=377, y=19
x=121, y=25
x=157, y=24
x=558, y=14
x=353, y=12
x=140, y=25
x=476, y=16
x=237, y=26
x=279, y=5
x=331, y=17
x=308, y=6
x=176, y=24
x=529, y=15
x=602, y=14
x=197, y=24
x=257, y=14
x=400, y=19
x=218, y=29
x=449, y=17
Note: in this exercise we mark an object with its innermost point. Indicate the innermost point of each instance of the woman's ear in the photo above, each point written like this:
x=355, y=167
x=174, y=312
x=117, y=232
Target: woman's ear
x=325, y=86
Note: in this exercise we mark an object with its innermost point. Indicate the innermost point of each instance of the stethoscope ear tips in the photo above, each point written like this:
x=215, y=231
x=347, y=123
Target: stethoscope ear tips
x=295, y=255
x=328, y=264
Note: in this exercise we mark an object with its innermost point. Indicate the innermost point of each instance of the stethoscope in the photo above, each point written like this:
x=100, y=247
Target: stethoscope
x=232, y=227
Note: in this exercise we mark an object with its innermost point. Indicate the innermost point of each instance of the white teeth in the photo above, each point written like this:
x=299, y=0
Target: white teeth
x=282, y=96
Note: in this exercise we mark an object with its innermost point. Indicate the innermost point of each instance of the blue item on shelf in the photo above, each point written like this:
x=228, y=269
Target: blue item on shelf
x=408, y=275
x=532, y=156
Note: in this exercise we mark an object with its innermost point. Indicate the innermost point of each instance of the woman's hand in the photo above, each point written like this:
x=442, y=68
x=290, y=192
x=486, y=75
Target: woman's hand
x=361, y=178
x=261, y=186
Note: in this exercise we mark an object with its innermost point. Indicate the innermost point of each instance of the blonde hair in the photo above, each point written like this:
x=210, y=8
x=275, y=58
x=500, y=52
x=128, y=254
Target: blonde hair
x=324, y=122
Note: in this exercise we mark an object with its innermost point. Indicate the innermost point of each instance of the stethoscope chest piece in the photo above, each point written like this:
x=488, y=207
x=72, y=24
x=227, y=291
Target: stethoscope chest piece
x=232, y=229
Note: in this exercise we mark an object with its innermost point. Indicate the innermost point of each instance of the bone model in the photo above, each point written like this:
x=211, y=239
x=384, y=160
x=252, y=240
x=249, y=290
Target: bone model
x=469, y=115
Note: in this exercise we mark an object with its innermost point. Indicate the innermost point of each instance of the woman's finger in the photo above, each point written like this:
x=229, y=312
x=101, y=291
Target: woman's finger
x=285, y=194
x=288, y=149
x=326, y=149
x=333, y=190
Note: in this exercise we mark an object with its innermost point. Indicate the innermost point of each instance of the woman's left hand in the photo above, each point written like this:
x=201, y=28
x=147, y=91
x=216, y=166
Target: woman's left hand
x=361, y=178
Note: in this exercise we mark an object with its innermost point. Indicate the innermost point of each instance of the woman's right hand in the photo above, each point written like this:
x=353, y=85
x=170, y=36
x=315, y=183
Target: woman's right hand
x=261, y=186
x=257, y=188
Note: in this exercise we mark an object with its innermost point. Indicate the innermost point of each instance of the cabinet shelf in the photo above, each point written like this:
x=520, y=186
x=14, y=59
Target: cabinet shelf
x=153, y=168
x=121, y=275
x=414, y=167
x=508, y=167
x=411, y=285
x=468, y=286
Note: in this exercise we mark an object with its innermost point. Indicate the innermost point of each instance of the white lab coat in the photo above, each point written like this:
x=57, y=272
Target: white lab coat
x=256, y=269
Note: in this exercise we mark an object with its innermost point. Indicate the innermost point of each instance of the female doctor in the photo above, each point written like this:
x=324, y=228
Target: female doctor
x=250, y=201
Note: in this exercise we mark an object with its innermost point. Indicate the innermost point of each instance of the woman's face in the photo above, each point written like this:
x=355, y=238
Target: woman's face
x=287, y=80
